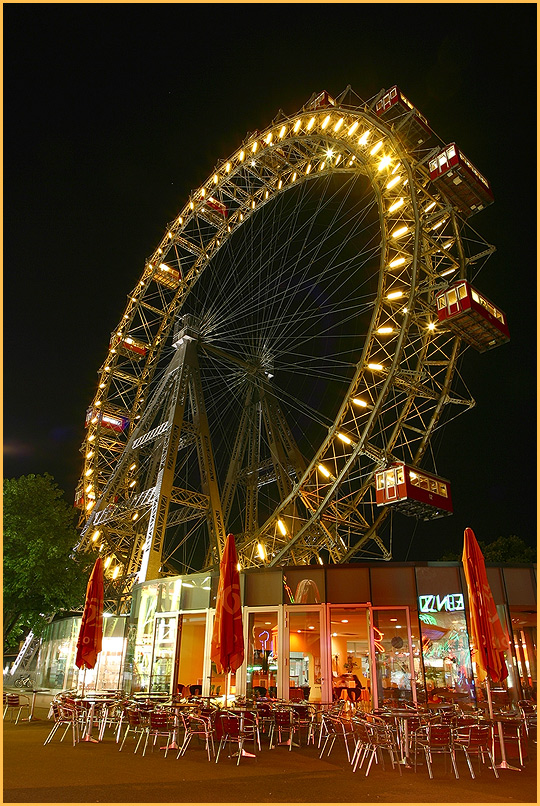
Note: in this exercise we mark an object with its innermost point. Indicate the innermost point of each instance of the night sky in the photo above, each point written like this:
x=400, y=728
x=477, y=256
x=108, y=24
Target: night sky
x=114, y=113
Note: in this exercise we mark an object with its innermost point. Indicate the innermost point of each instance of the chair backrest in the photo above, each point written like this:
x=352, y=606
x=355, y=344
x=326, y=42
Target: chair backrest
x=283, y=717
x=439, y=734
x=526, y=705
x=133, y=717
x=12, y=700
x=264, y=709
x=296, y=694
x=159, y=719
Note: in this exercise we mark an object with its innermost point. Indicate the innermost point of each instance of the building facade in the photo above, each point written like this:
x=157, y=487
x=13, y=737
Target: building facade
x=365, y=631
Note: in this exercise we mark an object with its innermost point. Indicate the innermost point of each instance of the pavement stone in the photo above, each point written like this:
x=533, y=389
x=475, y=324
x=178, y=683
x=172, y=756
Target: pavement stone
x=99, y=773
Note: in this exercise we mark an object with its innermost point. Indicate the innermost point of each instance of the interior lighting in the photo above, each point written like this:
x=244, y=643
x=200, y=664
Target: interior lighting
x=397, y=233
x=393, y=182
x=282, y=528
x=364, y=138
x=376, y=367
x=376, y=148
x=311, y=627
x=353, y=128
x=325, y=122
x=394, y=295
x=324, y=471
x=384, y=163
x=396, y=205
x=297, y=125
x=344, y=620
x=338, y=125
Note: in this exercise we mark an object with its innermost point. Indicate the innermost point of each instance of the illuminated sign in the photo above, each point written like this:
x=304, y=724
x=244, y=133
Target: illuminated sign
x=431, y=603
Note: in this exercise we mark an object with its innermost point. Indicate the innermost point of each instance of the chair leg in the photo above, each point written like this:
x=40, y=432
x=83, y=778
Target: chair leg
x=428, y=761
x=454, y=765
x=469, y=762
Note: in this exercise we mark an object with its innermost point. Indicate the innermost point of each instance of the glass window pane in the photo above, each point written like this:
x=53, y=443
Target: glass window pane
x=191, y=640
x=350, y=655
x=304, y=655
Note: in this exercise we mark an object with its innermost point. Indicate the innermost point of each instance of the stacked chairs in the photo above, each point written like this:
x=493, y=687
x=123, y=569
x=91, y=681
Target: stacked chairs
x=336, y=728
x=16, y=702
x=283, y=722
x=475, y=740
x=435, y=738
x=371, y=740
x=200, y=727
x=64, y=715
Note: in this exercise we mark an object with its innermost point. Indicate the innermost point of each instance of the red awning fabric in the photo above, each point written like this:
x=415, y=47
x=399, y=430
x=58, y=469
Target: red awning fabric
x=487, y=633
x=91, y=631
x=227, y=649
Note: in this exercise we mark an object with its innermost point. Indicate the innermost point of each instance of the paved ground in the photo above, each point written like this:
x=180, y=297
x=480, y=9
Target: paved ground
x=99, y=773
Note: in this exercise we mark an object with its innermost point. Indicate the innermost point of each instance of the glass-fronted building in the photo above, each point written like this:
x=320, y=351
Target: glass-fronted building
x=365, y=631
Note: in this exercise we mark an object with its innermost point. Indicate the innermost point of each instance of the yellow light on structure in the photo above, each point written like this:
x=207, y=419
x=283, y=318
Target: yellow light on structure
x=338, y=125
x=254, y=146
x=191, y=205
x=384, y=163
x=376, y=367
x=310, y=124
x=95, y=535
x=412, y=475
x=89, y=488
x=89, y=472
x=384, y=330
x=394, y=295
x=325, y=122
x=268, y=138
x=107, y=562
x=133, y=483
x=344, y=438
x=376, y=148
x=241, y=156
x=228, y=168
x=261, y=551
x=116, y=572
x=397, y=233
x=359, y=402
x=439, y=224
x=279, y=184
x=135, y=516
x=203, y=192
x=89, y=454
x=133, y=466
x=393, y=182
x=353, y=128
x=282, y=132
x=92, y=437
x=293, y=177
x=324, y=471
x=308, y=168
x=297, y=125
x=399, y=261
x=429, y=207
x=216, y=179
x=90, y=504
x=396, y=205
x=364, y=138
x=180, y=220
x=329, y=153
x=238, y=567
x=282, y=528
x=448, y=271
x=431, y=326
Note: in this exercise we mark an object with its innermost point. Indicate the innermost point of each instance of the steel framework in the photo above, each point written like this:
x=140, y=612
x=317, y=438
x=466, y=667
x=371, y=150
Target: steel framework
x=157, y=481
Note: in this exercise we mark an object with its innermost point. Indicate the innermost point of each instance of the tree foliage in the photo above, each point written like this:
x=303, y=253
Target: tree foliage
x=511, y=549
x=41, y=577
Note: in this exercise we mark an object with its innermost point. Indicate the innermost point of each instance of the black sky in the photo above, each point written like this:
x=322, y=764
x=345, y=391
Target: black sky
x=103, y=143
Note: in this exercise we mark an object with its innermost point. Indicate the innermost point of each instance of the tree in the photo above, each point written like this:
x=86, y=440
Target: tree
x=41, y=577
x=510, y=549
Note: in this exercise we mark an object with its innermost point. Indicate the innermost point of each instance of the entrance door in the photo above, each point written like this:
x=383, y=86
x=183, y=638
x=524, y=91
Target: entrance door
x=190, y=653
x=261, y=652
x=350, y=654
x=161, y=677
x=392, y=655
x=302, y=674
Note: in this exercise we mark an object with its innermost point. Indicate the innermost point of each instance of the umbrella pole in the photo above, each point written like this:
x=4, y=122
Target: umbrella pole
x=83, y=682
x=504, y=765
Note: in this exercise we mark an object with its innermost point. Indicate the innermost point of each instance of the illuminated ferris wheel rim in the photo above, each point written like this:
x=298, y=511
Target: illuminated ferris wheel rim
x=335, y=139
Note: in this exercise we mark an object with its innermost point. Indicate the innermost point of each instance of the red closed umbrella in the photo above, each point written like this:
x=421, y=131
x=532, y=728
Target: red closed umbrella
x=91, y=631
x=227, y=650
x=486, y=630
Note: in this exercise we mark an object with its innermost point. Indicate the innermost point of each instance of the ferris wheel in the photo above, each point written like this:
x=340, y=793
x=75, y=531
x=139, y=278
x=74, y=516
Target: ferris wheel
x=282, y=346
